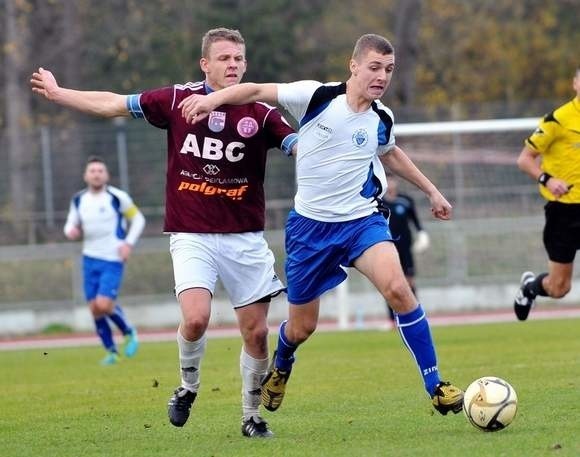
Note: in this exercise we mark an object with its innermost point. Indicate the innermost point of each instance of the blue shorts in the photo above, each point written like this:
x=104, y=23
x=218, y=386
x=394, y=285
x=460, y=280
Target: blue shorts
x=317, y=252
x=101, y=277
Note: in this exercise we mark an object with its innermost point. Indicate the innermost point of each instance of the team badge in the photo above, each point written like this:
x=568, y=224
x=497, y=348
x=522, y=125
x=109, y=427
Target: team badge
x=247, y=127
x=216, y=121
x=360, y=138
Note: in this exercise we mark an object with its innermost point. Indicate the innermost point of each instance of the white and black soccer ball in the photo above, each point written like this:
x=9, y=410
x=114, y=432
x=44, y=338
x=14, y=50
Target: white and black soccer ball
x=490, y=403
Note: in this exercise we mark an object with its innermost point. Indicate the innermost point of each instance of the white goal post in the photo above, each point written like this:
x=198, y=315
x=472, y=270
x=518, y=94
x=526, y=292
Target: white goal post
x=459, y=127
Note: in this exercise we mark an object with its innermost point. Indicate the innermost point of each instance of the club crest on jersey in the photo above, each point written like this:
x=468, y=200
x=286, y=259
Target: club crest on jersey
x=247, y=127
x=360, y=138
x=216, y=121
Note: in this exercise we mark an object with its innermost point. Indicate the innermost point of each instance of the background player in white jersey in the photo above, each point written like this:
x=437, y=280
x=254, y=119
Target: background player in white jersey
x=99, y=215
x=214, y=211
x=345, y=133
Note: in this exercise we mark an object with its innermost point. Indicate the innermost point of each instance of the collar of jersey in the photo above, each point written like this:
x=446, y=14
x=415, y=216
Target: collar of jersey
x=208, y=90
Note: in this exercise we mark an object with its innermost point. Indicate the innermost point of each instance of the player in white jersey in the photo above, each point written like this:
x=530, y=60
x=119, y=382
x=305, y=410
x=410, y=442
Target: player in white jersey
x=99, y=215
x=345, y=134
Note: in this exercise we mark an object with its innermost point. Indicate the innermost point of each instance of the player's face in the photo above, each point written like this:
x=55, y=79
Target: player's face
x=372, y=74
x=96, y=175
x=225, y=64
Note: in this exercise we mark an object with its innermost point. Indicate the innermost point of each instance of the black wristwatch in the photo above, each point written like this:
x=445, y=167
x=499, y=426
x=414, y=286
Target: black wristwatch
x=543, y=178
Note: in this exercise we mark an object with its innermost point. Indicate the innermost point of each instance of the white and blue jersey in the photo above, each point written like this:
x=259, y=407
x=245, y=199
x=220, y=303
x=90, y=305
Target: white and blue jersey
x=339, y=181
x=102, y=217
x=338, y=171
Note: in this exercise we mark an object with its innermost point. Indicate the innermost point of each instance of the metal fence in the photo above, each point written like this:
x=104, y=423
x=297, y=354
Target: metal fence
x=495, y=234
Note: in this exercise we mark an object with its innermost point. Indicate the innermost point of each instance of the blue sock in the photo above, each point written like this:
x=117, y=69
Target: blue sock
x=414, y=330
x=105, y=334
x=118, y=317
x=285, y=351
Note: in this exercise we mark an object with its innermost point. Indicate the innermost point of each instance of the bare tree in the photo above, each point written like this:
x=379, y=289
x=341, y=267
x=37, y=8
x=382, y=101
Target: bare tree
x=69, y=155
x=18, y=117
x=407, y=21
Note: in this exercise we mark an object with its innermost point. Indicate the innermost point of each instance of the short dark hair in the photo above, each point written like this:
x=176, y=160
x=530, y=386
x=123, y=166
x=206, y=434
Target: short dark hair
x=95, y=159
x=219, y=34
x=372, y=42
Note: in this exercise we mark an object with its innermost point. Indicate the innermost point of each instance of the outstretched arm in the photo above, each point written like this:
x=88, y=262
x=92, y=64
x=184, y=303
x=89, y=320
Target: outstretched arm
x=196, y=107
x=103, y=104
x=399, y=163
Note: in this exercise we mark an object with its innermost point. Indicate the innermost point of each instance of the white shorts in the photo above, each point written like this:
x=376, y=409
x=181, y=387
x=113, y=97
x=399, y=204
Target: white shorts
x=242, y=261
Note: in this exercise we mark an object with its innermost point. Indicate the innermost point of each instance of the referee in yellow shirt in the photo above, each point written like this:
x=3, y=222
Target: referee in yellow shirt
x=551, y=156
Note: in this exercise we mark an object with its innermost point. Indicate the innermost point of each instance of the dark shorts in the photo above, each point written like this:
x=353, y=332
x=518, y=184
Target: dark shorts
x=562, y=231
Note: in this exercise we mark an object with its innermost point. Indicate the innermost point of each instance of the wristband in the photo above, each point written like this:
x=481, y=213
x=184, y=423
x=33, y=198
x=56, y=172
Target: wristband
x=543, y=178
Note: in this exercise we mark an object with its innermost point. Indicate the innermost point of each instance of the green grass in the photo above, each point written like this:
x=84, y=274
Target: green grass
x=351, y=394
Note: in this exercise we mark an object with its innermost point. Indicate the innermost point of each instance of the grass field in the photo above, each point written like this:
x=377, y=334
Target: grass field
x=351, y=394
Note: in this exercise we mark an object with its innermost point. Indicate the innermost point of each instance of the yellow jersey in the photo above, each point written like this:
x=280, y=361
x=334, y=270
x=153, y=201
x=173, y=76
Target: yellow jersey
x=557, y=140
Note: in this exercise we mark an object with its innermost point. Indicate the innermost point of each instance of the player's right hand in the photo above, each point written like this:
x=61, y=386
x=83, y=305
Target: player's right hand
x=74, y=233
x=195, y=108
x=43, y=83
x=440, y=207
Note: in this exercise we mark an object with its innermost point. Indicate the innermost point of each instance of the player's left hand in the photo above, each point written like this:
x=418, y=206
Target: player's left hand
x=558, y=187
x=195, y=108
x=125, y=251
x=440, y=207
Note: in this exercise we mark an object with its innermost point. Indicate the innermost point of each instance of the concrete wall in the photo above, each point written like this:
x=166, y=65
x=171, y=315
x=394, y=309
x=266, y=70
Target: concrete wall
x=349, y=309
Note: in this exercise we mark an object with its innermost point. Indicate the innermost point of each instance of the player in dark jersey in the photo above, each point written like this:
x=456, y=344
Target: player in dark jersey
x=401, y=216
x=214, y=209
x=550, y=157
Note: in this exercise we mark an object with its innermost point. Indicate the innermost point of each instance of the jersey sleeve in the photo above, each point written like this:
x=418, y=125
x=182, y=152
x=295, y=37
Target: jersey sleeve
x=126, y=206
x=73, y=218
x=130, y=212
x=295, y=97
x=281, y=135
x=153, y=105
x=541, y=139
x=386, y=133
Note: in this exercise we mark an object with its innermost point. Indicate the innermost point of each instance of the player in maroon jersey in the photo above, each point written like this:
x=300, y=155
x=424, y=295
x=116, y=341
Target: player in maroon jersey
x=214, y=209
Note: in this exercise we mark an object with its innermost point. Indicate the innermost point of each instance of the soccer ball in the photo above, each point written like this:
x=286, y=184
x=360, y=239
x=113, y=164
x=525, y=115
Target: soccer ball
x=490, y=403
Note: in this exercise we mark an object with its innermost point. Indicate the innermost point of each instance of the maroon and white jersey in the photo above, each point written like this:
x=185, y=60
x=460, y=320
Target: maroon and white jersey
x=215, y=168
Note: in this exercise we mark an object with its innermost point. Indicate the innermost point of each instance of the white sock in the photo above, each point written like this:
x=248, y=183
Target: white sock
x=252, y=371
x=190, y=355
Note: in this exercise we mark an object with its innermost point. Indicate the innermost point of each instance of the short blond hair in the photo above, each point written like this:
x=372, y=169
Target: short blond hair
x=219, y=34
x=372, y=42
